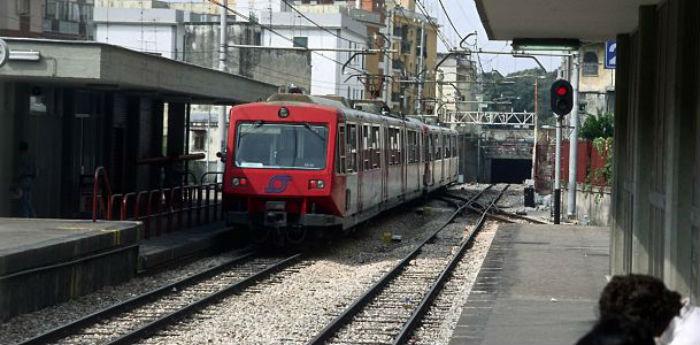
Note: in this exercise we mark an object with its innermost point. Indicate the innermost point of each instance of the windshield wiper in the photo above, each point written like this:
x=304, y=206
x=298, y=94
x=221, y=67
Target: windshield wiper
x=308, y=126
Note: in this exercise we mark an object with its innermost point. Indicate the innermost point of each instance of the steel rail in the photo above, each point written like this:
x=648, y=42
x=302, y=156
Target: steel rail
x=327, y=332
x=68, y=329
x=154, y=326
x=424, y=306
x=497, y=211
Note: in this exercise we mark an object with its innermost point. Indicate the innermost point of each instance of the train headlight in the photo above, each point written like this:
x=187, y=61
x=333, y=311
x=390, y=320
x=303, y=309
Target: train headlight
x=316, y=184
x=236, y=182
x=283, y=112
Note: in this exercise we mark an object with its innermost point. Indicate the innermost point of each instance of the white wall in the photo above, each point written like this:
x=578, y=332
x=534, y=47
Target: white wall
x=326, y=76
x=150, y=38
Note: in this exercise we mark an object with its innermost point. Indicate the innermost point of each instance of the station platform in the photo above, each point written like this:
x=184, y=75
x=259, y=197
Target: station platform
x=539, y=284
x=46, y=261
x=169, y=248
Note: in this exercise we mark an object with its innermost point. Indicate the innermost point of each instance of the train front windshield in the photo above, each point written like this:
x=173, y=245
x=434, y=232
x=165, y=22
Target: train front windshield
x=281, y=146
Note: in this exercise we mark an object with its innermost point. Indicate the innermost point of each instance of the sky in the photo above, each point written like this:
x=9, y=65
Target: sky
x=466, y=18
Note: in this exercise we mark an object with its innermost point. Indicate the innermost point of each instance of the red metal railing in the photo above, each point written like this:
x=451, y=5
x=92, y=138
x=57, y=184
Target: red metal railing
x=164, y=210
x=97, y=196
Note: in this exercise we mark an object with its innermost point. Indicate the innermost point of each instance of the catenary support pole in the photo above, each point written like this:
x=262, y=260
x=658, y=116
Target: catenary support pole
x=419, y=97
x=534, y=132
x=573, y=137
x=388, y=59
x=221, y=123
x=557, y=173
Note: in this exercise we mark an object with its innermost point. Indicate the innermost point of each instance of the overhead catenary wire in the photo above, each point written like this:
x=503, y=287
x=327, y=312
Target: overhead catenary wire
x=449, y=20
x=440, y=34
x=269, y=28
x=318, y=25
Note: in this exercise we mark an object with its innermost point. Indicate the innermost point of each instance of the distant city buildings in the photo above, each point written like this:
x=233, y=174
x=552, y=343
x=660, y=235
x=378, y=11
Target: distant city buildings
x=456, y=85
x=596, y=83
x=60, y=19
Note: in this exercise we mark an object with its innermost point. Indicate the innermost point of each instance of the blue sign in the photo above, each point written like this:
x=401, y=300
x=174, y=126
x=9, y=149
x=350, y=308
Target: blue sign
x=610, y=54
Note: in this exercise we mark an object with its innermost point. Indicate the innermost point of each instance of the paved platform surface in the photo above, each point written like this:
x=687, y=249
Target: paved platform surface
x=539, y=284
x=184, y=243
x=29, y=243
x=48, y=261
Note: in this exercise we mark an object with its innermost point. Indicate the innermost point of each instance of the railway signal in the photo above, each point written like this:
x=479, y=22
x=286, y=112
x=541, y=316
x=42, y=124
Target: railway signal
x=562, y=95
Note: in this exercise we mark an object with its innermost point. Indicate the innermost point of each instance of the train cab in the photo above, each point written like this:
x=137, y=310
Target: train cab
x=279, y=164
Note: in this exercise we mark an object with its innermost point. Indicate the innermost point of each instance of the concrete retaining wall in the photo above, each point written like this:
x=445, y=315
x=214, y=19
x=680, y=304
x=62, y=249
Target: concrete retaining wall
x=591, y=203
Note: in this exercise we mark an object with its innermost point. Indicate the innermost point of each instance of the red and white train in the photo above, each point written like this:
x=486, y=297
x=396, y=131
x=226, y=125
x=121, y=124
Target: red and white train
x=297, y=162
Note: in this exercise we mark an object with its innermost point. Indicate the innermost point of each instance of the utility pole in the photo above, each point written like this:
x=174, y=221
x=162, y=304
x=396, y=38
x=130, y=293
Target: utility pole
x=573, y=138
x=221, y=123
x=534, y=131
x=388, y=59
x=421, y=77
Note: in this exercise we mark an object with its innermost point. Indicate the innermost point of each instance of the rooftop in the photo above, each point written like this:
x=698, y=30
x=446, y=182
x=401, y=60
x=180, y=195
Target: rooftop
x=591, y=20
x=105, y=66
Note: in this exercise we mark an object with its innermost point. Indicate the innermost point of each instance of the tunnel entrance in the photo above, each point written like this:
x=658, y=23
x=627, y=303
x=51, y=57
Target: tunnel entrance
x=510, y=170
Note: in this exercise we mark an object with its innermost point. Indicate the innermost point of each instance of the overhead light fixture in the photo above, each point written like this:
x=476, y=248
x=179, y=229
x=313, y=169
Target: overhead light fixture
x=24, y=55
x=546, y=44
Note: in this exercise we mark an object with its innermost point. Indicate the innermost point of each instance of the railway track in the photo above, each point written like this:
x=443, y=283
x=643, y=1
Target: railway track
x=390, y=311
x=129, y=321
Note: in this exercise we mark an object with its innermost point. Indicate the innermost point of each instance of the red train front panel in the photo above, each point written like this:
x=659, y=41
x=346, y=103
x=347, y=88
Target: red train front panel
x=280, y=164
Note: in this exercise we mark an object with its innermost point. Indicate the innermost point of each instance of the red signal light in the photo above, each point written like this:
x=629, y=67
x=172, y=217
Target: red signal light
x=562, y=91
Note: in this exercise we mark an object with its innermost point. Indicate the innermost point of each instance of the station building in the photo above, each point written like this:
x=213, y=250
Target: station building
x=655, y=214
x=80, y=105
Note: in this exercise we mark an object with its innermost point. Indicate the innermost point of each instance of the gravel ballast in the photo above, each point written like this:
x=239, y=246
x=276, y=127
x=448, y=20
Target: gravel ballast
x=292, y=306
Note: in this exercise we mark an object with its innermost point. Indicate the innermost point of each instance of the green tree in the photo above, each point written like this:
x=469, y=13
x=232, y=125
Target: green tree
x=597, y=127
x=517, y=90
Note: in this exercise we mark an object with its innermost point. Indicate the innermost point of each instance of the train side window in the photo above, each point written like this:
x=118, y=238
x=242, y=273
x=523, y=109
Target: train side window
x=389, y=145
x=397, y=143
x=393, y=146
x=340, y=151
x=412, y=147
x=375, y=147
x=448, y=146
x=438, y=148
x=351, y=140
x=366, y=153
x=428, y=147
x=454, y=149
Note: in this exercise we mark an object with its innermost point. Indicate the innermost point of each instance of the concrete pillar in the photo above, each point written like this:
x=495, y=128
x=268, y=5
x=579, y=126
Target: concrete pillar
x=642, y=137
x=680, y=157
x=156, y=138
x=176, y=140
x=620, y=228
x=7, y=145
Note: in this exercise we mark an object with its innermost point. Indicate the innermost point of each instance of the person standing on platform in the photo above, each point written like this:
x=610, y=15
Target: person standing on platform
x=26, y=173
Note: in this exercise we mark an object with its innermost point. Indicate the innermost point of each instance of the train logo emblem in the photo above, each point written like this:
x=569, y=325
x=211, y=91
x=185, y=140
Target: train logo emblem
x=278, y=184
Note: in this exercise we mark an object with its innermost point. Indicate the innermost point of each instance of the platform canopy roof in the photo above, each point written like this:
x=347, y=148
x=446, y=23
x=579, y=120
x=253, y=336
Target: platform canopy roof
x=589, y=20
x=101, y=66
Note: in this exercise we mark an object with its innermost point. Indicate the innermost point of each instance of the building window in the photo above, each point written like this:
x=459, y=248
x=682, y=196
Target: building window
x=257, y=38
x=199, y=139
x=590, y=64
x=302, y=42
x=23, y=7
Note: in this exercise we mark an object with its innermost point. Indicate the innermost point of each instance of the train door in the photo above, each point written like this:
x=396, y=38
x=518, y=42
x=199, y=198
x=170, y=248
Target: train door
x=443, y=157
x=385, y=167
x=353, y=170
x=434, y=144
x=403, y=161
x=427, y=158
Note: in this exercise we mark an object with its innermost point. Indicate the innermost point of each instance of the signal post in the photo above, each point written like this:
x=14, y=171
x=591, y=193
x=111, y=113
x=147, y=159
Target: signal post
x=562, y=96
